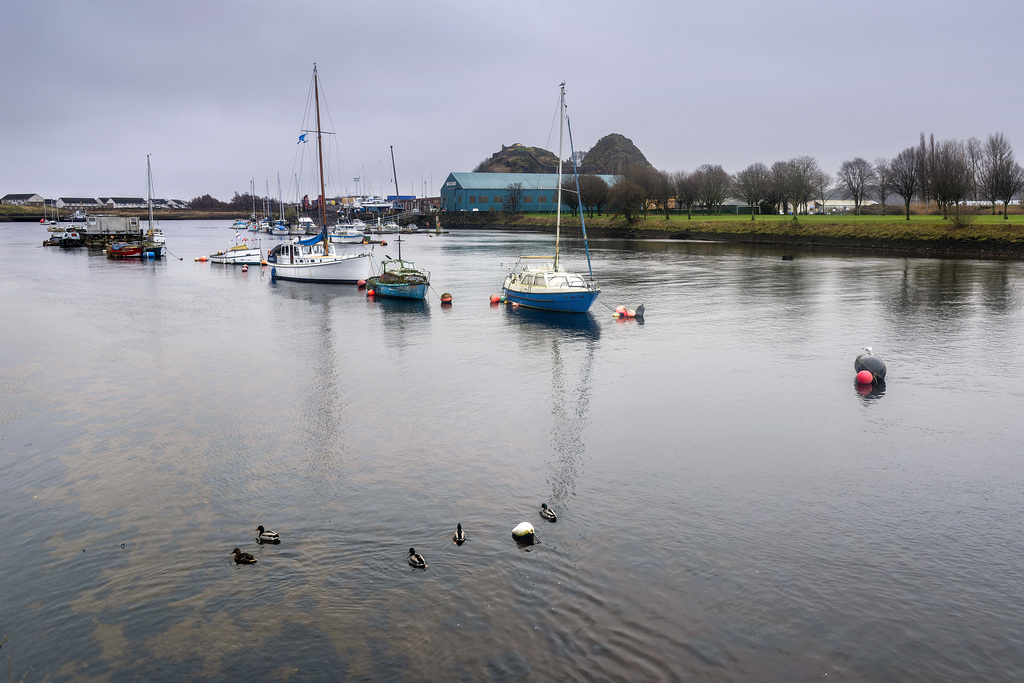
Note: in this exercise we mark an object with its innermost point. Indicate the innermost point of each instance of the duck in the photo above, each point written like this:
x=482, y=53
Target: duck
x=267, y=536
x=459, y=536
x=547, y=513
x=416, y=560
x=243, y=558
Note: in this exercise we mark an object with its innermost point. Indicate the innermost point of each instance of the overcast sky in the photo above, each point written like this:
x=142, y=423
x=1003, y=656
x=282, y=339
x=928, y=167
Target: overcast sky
x=216, y=90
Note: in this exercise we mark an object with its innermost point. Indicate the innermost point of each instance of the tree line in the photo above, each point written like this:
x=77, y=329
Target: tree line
x=947, y=172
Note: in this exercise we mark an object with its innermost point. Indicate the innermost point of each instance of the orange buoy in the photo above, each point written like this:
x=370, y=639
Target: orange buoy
x=865, y=377
x=245, y=269
x=446, y=298
x=263, y=263
x=495, y=298
x=620, y=310
x=370, y=292
x=383, y=243
x=361, y=284
x=630, y=314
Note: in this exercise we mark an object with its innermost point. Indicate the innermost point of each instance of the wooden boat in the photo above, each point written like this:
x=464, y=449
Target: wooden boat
x=399, y=279
x=124, y=250
x=542, y=284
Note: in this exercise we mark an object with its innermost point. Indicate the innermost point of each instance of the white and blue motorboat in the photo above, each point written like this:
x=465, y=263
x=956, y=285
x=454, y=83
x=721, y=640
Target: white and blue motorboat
x=539, y=281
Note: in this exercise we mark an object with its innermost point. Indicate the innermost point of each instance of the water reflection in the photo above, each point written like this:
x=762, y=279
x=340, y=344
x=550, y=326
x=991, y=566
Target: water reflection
x=573, y=340
x=869, y=392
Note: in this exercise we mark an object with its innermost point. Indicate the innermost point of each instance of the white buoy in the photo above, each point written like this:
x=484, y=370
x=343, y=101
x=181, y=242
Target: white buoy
x=523, y=533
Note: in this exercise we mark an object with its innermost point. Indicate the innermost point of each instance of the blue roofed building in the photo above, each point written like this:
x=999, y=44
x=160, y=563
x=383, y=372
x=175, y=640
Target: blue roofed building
x=486, y=191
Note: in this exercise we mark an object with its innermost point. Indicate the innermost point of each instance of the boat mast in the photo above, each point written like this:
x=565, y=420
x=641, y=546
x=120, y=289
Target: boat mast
x=397, y=196
x=558, y=215
x=149, y=190
x=320, y=154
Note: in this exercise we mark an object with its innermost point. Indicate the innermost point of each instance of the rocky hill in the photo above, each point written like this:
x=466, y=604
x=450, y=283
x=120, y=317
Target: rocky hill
x=517, y=158
x=612, y=154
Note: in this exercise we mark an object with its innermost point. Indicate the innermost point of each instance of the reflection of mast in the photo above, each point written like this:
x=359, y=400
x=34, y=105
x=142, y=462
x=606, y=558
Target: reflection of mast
x=570, y=410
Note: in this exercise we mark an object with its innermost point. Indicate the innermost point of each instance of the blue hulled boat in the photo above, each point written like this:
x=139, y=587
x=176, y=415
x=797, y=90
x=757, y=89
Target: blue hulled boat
x=543, y=284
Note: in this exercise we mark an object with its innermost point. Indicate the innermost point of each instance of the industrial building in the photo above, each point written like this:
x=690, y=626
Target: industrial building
x=486, y=191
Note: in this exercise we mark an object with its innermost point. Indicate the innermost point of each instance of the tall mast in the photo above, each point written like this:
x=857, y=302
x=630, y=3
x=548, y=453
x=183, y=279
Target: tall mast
x=149, y=190
x=397, y=198
x=558, y=216
x=320, y=154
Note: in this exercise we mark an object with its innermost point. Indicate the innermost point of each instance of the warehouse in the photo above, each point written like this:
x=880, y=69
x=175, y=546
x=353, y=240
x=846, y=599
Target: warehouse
x=486, y=191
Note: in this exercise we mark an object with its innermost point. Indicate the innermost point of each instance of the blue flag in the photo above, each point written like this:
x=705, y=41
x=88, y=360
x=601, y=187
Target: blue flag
x=302, y=138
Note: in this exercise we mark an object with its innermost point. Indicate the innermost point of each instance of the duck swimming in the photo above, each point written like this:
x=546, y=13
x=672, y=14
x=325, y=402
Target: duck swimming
x=243, y=558
x=416, y=560
x=459, y=536
x=547, y=513
x=267, y=536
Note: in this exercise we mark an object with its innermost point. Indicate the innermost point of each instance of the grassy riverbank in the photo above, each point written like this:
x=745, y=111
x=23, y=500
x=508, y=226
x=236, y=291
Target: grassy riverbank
x=988, y=236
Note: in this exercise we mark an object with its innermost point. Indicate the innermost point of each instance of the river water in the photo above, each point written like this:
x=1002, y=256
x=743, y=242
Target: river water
x=730, y=506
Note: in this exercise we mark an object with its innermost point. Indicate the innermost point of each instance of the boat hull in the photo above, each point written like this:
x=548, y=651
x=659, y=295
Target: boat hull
x=346, y=270
x=576, y=301
x=398, y=291
x=250, y=257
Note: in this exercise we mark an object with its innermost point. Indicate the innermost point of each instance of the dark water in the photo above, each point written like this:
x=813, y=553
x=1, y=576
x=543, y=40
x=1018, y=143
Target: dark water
x=730, y=506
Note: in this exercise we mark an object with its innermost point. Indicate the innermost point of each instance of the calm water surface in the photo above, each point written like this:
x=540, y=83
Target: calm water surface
x=730, y=506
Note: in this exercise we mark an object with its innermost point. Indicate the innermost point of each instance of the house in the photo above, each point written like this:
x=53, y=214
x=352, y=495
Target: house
x=125, y=203
x=77, y=203
x=22, y=200
x=486, y=191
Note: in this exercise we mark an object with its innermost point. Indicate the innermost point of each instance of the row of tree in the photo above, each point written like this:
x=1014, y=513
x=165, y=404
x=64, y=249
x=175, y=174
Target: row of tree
x=948, y=172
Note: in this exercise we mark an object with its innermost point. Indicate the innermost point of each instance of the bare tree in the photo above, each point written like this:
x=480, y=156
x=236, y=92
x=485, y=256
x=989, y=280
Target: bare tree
x=778, y=187
x=975, y=158
x=1000, y=178
x=800, y=179
x=714, y=185
x=627, y=198
x=665, y=190
x=905, y=172
x=593, y=193
x=513, y=199
x=950, y=179
x=824, y=187
x=649, y=181
x=855, y=176
x=883, y=180
x=751, y=184
x=570, y=200
x=687, y=190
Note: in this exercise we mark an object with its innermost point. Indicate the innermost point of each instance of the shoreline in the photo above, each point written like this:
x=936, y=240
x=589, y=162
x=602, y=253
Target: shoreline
x=925, y=236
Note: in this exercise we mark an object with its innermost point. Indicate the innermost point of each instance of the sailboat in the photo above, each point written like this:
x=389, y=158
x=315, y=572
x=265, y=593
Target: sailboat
x=541, y=283
x=318, y=259
x=398, y=278
x=152, y=243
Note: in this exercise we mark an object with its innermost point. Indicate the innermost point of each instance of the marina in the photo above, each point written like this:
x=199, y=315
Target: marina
x=730, y=503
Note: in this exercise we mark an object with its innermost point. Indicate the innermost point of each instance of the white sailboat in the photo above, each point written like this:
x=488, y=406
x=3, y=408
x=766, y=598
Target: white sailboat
x=540, y=282
x=319, y=259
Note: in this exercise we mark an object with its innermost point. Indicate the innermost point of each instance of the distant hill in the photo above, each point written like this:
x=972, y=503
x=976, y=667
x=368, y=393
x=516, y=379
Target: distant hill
x=612, y=154
x=517, y=158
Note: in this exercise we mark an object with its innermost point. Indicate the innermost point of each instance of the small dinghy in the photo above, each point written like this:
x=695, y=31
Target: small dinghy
x=872, y=364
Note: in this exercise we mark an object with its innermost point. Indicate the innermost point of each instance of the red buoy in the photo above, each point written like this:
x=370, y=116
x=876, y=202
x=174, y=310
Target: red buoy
x=495, y=298
x=370, y=292
x=245, y=269
x=865, y=377
x=360, y=284
x=446, y=298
